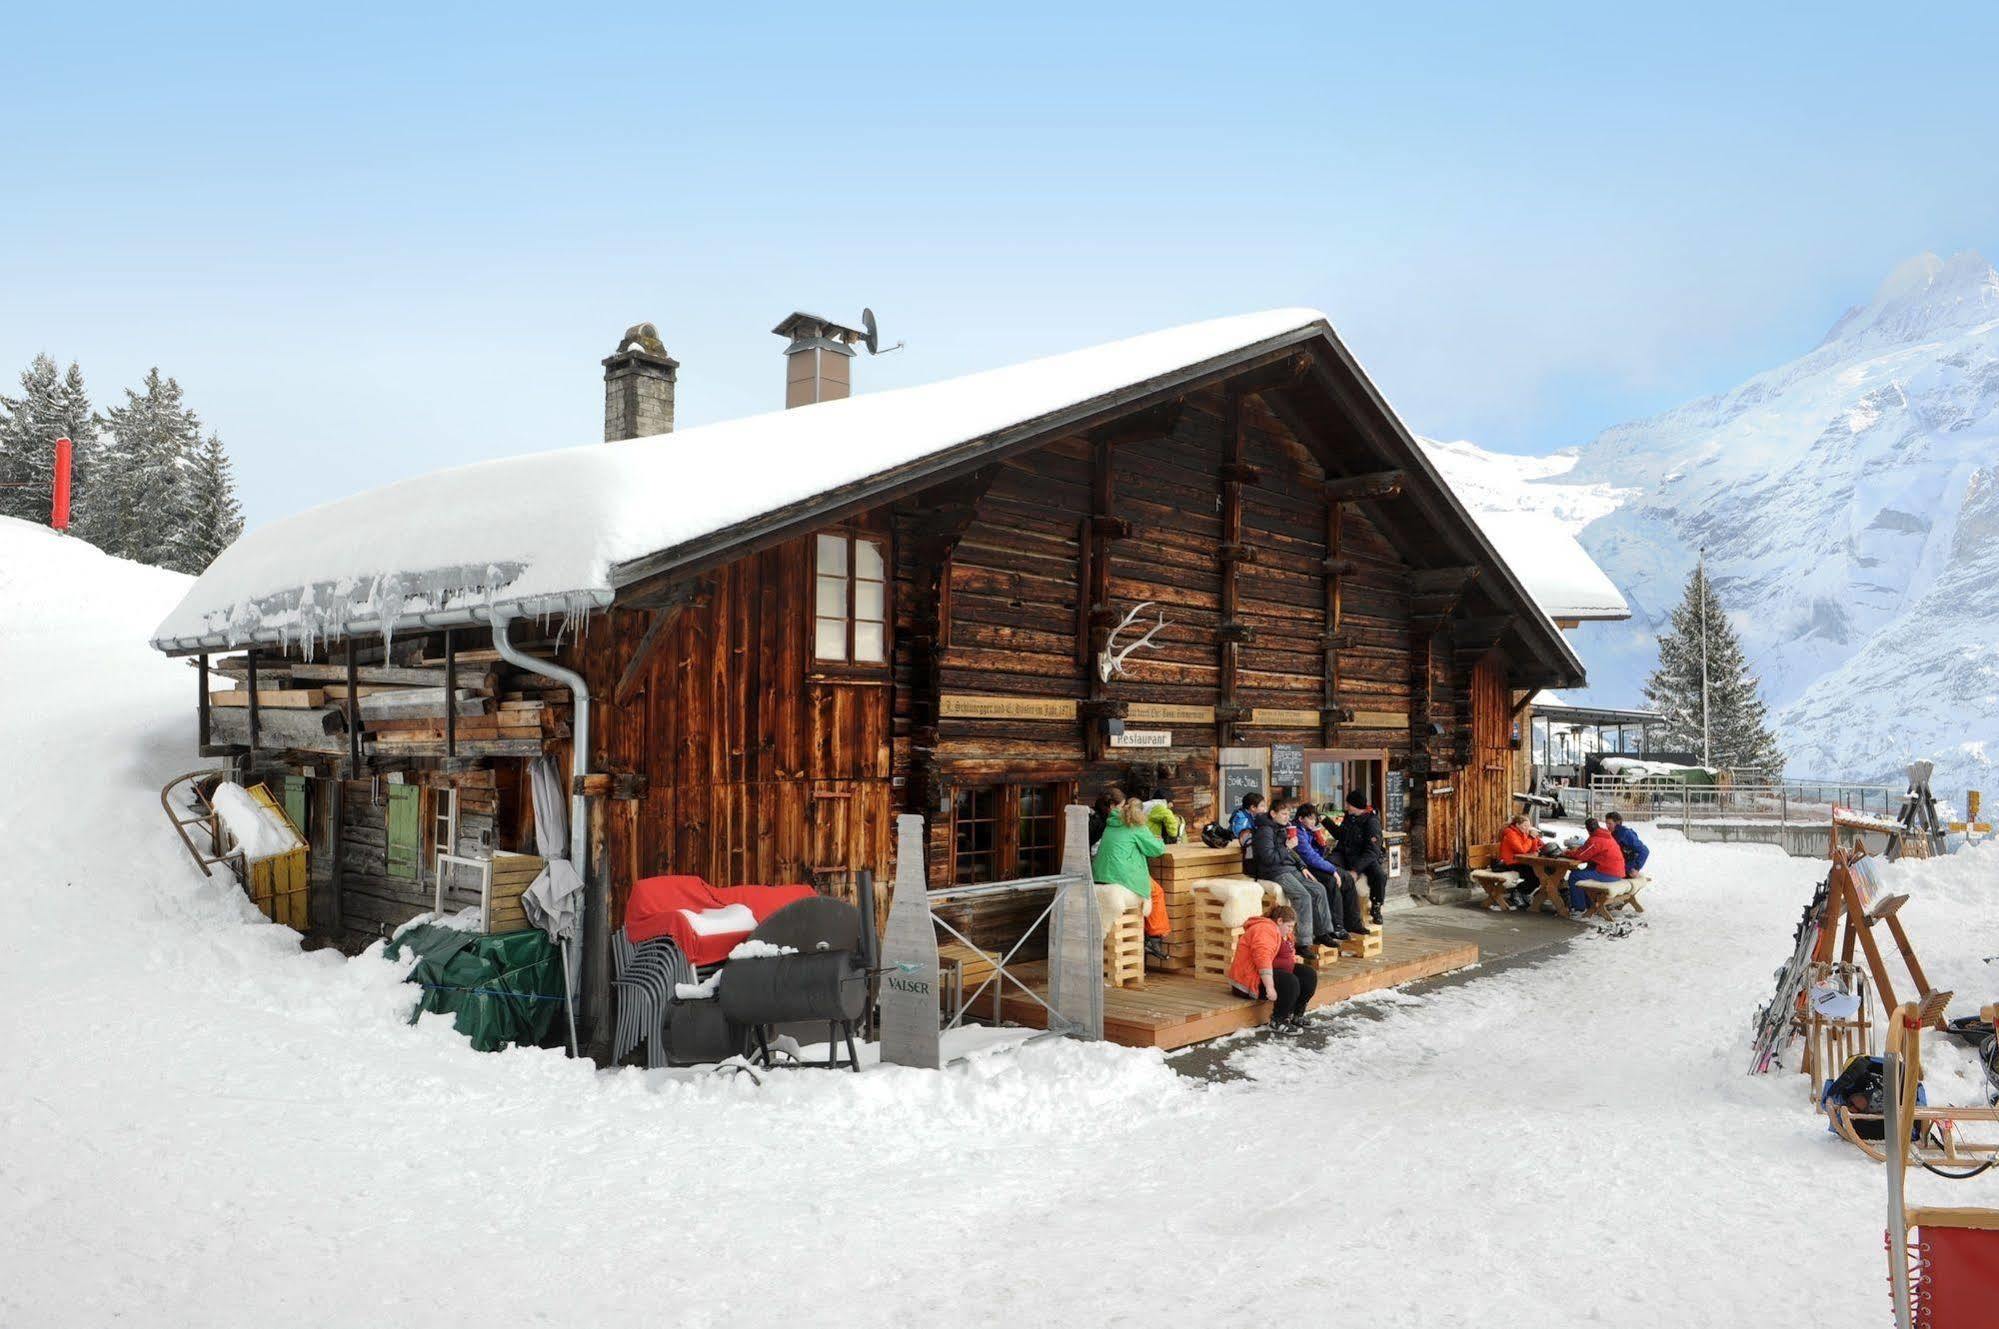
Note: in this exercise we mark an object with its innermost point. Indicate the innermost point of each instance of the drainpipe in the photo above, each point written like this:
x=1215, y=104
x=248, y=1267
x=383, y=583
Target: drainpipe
x=579, y=763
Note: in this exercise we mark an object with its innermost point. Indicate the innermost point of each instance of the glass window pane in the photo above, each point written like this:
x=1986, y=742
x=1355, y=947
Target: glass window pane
x=831, y=639
x=832, y=597
x=869, y=643
x=868, y=561
x=833, y=554
x=869, y=598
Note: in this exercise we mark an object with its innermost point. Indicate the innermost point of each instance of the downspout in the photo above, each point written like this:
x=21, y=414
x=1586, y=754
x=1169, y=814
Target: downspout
x=579, y=762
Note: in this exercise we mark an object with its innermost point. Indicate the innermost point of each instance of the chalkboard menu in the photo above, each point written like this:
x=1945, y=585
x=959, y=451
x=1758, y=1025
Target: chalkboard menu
x=1396, y=814
x=1287, y=766
x=1237, y=781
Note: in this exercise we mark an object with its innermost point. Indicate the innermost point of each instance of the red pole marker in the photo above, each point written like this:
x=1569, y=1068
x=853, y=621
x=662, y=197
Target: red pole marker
x=59, y=509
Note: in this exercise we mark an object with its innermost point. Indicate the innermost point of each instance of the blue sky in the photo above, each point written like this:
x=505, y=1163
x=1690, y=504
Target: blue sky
x=370, y=244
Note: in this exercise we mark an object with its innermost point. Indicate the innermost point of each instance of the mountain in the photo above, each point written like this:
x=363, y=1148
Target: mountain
x=1846, y=501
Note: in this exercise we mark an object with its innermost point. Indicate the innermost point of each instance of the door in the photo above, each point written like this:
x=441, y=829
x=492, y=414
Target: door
x=405, y=832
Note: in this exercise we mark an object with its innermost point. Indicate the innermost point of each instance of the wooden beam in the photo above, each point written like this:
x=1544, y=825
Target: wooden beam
x=1337, y=570
x=1232, y=635
x=649, y=644
x=353, y=712
x=201, y=703
x=450, y=694
x=1360, y=488
x=252, y=659
x=1285, y=373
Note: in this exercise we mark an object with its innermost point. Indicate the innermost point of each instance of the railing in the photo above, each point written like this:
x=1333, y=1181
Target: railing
x=1671, y=802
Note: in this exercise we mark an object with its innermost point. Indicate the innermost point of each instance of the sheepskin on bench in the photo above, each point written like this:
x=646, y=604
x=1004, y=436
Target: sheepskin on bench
x=1112, y=900
x=1242, y=898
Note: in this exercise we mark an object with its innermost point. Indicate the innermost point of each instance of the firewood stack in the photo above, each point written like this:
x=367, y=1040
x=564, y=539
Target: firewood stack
x=302, y=705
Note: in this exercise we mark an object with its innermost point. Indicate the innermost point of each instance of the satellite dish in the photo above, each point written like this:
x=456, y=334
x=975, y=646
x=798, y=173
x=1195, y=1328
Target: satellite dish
x=871, y=336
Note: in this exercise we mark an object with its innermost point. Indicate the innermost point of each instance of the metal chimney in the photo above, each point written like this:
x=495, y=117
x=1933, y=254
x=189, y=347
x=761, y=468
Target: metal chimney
x=815, y=361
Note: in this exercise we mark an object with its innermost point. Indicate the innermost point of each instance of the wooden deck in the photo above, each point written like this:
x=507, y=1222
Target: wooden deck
x=1174, y=1010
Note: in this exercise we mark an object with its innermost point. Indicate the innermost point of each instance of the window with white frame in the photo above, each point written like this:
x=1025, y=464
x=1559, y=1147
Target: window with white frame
x=850, y=599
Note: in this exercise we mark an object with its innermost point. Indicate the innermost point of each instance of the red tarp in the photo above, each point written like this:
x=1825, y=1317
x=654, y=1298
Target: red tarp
x=655, y=910
x=1961, y=1278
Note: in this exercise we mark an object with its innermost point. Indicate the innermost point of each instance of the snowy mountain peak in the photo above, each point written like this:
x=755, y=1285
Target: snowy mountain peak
x=1923, y=297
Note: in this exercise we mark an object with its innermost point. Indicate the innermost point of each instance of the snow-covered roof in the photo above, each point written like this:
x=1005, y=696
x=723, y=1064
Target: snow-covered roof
x=1556, y=570
x=546, y=533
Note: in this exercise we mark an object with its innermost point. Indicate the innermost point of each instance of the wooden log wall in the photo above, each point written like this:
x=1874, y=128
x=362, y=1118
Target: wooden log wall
x=755, y=763
x=373, y=903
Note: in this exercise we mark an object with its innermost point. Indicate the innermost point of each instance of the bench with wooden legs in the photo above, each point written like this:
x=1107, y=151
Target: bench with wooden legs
x=1495, y=882
x=1607, y=897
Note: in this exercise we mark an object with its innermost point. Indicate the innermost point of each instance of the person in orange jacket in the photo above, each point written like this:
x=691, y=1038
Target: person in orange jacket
x=1518, y=838
x=1266, y=967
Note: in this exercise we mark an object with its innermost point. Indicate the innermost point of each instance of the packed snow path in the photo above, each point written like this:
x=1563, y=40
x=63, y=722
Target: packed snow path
x=203, y=1126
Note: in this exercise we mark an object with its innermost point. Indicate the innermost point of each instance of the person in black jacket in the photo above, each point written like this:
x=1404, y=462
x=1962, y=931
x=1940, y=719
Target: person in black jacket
x=1359, y=847
x=1273, y=859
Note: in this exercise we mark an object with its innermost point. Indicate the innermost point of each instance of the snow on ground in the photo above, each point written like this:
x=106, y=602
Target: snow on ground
x=204, y=1126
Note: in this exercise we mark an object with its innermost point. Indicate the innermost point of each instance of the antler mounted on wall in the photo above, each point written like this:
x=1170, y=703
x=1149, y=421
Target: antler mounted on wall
x=1110, y=661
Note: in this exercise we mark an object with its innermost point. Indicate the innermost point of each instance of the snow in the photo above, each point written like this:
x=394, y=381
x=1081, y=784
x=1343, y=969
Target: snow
x=1532, y=519
x=225, y=1131
x=721, y=920
x=259, y=832
x=547, y=530
x=753, y=949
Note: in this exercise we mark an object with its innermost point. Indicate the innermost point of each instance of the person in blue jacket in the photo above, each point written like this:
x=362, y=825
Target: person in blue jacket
x=1243, y=819
x=1341, y=888
x=1635, y=852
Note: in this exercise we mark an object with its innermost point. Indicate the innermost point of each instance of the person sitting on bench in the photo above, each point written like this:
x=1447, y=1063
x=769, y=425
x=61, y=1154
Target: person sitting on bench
x=1243, y=819
x=1598, y=859
x=1634, y=850
x=1360, y=849
x=1273, y=859
x=1266, y=967
x=1516, y=839
x=1341, y=890
x=1120, y=861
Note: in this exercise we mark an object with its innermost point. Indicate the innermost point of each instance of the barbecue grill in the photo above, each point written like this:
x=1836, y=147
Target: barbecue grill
x=824, y=981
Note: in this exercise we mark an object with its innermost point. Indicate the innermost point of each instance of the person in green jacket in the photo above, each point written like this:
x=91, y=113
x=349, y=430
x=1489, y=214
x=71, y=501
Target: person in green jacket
x=1120, y=860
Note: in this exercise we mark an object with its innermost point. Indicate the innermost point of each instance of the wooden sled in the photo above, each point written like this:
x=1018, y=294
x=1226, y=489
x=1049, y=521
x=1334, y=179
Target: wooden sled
x=1935, y=1141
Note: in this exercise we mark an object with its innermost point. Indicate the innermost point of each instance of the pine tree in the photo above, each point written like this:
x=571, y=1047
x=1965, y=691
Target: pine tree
x=53, y=404
x=143, y=489
x=214, y=518
x=1729, y=730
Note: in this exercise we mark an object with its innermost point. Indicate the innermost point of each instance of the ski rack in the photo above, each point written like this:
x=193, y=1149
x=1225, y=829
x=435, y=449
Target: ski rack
x=1847, y=912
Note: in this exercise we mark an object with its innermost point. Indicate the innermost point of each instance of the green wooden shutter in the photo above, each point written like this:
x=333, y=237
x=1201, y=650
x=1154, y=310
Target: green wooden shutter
x=295, y=801
x=405, y=832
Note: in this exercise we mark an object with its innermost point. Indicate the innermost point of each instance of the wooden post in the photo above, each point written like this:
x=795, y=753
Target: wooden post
x=251, y=657
x=1096, y=593
x=450, y=693
x=1329, y=703
x=339, y=838
x=201, y=702
x=1229, y=645
x=353, y=712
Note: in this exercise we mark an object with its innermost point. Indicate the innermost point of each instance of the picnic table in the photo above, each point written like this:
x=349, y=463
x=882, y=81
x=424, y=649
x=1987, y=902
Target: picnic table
x=1552, y=872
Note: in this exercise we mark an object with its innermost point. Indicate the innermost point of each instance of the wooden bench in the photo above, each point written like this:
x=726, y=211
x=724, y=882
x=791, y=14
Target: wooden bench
x=1607, y=897
x=1495, y=882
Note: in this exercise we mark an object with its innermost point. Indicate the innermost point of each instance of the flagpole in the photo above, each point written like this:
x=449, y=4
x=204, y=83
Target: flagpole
x=1700, y=574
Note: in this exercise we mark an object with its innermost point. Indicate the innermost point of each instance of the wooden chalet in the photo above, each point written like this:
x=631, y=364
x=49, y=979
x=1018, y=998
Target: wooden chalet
x=920, y=622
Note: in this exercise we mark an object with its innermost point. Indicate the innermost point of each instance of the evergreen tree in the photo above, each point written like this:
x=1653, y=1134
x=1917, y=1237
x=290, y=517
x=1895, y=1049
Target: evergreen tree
x=214, y=518
x=143, y=495
x=1731, y=730
x=53, y=404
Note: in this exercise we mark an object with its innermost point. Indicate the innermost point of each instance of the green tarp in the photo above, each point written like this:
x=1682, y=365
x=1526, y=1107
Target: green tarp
x=503, y=989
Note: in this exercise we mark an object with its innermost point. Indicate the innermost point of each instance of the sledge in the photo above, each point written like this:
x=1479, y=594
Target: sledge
x=1931, y=1137
x=278, y=883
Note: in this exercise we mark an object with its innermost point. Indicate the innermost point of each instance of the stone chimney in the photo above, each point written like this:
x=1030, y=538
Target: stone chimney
x=815, y=362
x=638, y=386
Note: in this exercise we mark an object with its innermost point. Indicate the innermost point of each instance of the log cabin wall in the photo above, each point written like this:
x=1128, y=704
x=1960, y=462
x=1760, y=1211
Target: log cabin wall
x=756, y=763
x=1489, y=775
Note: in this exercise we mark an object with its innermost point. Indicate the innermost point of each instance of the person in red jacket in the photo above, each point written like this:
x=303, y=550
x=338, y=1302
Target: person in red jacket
x=1599, y=859
x=1266, y=967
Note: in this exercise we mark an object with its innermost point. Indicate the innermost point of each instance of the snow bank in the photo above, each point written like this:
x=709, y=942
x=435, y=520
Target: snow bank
x=548, y=529
x=260, y=833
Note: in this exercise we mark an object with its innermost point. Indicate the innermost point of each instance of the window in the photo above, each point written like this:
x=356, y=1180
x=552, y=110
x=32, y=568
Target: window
x=1329, y=775
x=850, y=599
x=1040, y=835
x=975, y=829
x=441, y=832
x=1004, y=832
